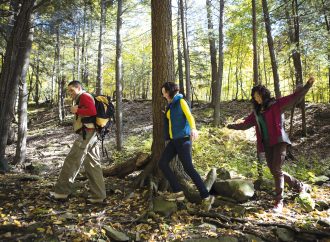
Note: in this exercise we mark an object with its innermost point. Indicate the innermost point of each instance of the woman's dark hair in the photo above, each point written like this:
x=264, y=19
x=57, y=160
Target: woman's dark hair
x=171, y=88
x=265, y=95
x=75, y=83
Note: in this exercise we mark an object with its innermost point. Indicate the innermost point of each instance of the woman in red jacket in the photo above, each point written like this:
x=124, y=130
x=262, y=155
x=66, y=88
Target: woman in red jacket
x=267, y=117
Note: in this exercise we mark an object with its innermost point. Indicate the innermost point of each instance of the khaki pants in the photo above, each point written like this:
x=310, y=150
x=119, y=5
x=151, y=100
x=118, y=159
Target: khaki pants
x=83, y=152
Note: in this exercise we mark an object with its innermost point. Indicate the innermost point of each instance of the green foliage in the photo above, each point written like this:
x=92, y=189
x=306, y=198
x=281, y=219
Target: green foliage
x=132, y=145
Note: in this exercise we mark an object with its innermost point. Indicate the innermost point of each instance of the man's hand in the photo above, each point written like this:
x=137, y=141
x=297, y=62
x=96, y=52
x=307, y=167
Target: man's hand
x=74, y=109
x=311, y=80
x=194, y=134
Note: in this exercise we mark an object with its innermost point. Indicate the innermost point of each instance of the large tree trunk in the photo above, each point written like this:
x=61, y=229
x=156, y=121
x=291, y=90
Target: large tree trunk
x=16, y=54
x=180, y=64
x=162, y=71
x=213, y=53
x=99, y=79
x=22, y=108
x=217, y=95
x=83, y=45
x=271, y=49
x=328, y=28
x=255, y=50
x=119, y=77
x=185, y=51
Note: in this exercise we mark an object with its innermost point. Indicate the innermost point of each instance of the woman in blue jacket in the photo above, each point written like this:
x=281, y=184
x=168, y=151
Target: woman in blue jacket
x=180, y=130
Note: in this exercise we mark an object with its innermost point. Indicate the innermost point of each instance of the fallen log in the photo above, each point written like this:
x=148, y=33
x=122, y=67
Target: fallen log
x=123, y=169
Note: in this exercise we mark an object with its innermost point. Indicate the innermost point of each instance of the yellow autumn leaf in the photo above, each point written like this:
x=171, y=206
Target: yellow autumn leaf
x=57, y=222
x=41, y=230
x=18, y=223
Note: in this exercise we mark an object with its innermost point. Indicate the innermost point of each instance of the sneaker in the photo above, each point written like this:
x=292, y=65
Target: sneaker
x=207, y=203
x=305, y=188
x=58, y=196
x=95, y=200
x=278, y=208
x=176, y=196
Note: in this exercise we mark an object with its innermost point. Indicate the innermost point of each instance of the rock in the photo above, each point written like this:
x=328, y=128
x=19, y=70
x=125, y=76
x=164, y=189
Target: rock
x=264, y=185
x=322, y=205
x=208, y=226
x=222, y=239
x=325, y=222
x=306, y=202
x=319, y=180
x=239, y=189
x=285, y=235
x=223, y=174
x=308, y=237
x=163, y=207
x=114, y=234
x=252, y=238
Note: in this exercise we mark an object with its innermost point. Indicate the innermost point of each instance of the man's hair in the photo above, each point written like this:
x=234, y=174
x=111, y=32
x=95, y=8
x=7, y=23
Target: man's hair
x=265, y=95
x=75, y=84
x=171, y=88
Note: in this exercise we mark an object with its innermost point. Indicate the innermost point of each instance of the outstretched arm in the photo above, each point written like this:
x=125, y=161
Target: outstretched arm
x=248, y=122
x=289, y=101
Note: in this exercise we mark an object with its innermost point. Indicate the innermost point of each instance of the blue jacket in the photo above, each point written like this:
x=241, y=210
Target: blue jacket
x=178, y=119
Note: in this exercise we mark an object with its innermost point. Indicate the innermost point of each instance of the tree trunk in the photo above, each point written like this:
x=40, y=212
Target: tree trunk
x=99, y=79
x=83, y=46
x=271, y=49
x=295, y=39
x=328, y=28
x=16, y=54
x=180, y=64
x=22, y=109
x=255, y=50
x=59, y=75
x=185, y=52
x=216, y=118
x=36, y=94
x=162, y=69
x=213, y=54
x=119, y=77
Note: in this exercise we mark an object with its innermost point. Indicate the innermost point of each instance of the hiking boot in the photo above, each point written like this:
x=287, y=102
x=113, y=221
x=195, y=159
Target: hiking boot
x=176, y=196
x=305, y=188
x=95, y=200
x=207, y=203
x=58, y=196
x=278, y=208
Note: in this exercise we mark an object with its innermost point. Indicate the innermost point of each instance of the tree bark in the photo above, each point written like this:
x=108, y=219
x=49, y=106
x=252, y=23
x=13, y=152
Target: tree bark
x=16, y=54
x=59, y=75
x=271, y=49
x=185, y=52
x=36, y=94
x=255, y=50
x=180, y=64
x=216, y=118
x=162, y=68
x=22, y=108
x=213, y=53
x=119, y=77
x=99, y=79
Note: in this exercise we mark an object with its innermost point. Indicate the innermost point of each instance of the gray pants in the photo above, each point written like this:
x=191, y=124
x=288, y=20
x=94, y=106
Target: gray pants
x=83, y=152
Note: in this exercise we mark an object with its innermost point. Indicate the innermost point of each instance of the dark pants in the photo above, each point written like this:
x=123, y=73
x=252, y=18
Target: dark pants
x=275, y=156
x=182, y=148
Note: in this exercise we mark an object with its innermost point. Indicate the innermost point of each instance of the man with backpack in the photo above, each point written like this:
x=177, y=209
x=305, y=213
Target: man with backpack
x=85, y=149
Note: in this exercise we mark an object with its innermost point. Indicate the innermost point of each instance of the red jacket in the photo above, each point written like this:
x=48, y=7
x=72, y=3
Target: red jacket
x=273, y=118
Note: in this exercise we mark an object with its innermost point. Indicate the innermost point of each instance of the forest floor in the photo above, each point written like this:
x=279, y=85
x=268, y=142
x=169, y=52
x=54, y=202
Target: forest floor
x=28, y=213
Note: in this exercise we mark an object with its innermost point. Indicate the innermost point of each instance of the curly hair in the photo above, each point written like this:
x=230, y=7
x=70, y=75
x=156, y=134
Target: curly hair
x=171, y=88
x=265, y=95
